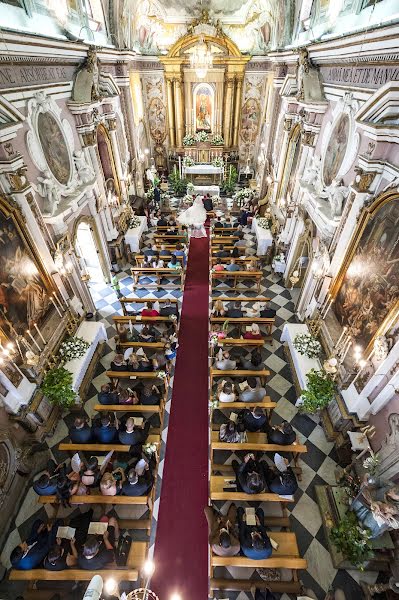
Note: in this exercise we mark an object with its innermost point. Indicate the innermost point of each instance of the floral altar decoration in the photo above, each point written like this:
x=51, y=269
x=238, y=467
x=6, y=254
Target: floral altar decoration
x=189, y=140
x=201, y=136
x=134, y=222
x=243, y=196
x=218, y=162
x=264, y=222
x=307, y=345
x=188, y=161
x=218, y=140
x=73, y=347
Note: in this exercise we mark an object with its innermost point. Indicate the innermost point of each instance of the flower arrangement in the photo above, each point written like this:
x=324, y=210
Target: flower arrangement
x=371, y=464
x=162, y=374
x=353, y=541
x=319, y=393
x=188, y=161
x=189, y=140
x=134, y=222
x=190, y=189
x=280, y=257
x=57, y=387
x=350, y=483
x=243, y=196
x=172, y=317
x=264, y=222
x=73, y=347
x=150, y=194
x=177, y=184
x=307, y=345
x=213, y=404
x=218, y=140
x=218, y=162
x=201, y=136
x=214, y=339
x=150, y=449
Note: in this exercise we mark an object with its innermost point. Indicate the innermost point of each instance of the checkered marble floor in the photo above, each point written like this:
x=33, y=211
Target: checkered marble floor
x=317, y=465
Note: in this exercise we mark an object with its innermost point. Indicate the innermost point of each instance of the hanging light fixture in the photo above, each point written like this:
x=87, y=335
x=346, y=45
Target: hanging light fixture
x=201, y=58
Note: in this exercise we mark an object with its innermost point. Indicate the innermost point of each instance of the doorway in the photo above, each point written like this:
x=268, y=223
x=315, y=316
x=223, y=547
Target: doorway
x=88, y=253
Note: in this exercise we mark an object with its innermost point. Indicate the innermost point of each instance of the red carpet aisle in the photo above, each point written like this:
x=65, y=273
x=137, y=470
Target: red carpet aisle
x=181, y=546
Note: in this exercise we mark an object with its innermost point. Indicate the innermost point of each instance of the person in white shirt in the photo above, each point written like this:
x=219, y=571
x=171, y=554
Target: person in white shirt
x=226, y=392
x=223, y=362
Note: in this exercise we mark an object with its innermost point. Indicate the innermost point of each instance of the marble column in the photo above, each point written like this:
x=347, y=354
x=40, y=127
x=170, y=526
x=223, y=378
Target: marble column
x=237, y=110
x=171, y=112
x=179, y=117
x=228, y=102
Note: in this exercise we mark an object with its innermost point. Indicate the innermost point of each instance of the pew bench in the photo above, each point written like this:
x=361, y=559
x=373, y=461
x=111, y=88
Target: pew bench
x=140, y=259
x=157, y=275
x=133, y=375
x=139, y=319
x=100, y=499
x=244, y=585
x=131, y=408
x=238, y=373
x=219, y=491
x=93, y=448
x=241, y=298
x=244, y=321
x=266, y=404
x=236, y=276
x=149, y=345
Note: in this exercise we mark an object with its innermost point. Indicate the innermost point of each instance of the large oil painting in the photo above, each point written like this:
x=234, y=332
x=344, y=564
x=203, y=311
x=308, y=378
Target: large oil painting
x=203, y=108
x=370, y=285
x=250, y=120
x=54, y=147
x=24, y=298
x=157, y=119
x=336, y=149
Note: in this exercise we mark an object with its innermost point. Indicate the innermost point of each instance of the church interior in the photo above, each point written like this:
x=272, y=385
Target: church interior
x=199, y=299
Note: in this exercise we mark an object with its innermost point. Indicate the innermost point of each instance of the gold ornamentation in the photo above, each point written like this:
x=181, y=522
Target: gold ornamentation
x=111, y=124
x=17, y=179
x=308, y=138
x=287, y=124
x=89, y=139
x=363, y=179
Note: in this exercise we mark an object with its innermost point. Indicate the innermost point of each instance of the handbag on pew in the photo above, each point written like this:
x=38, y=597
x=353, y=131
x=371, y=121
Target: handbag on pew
x=122, y=550
x=269, y=574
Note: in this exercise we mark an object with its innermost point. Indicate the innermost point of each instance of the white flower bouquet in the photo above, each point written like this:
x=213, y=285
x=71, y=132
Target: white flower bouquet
x=172, y=317
x=150, y=194
x=280, y=257
x=188, y=161
x=307, y=345
x=189, y=140
x=243, y=196
x=201, y=136
x=73, y=347
x=213, y=404
x=218, y=162
x=218, y=140
x=264, y=223
x=162, y=374
x=150, y=449
x=214, y=339
x=134, y=222
x=371, y=463
x=190, y=189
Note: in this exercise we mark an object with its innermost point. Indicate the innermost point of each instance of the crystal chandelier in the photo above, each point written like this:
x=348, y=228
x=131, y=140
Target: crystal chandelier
x=201, y=58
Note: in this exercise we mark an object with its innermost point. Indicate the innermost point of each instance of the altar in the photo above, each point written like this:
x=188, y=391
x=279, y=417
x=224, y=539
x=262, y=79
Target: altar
x=264, y=238
x=133, y=235
x=201, y=190
x=203, y=174
x=300, y=364
x=82, y=368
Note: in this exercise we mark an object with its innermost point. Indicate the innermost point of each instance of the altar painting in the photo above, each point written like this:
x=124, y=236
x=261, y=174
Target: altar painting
x=23, y=287
x=54, y=147
x=203, y=102
x=250, y=120
x=157, y=119
x=336, y=149
x=369, y=291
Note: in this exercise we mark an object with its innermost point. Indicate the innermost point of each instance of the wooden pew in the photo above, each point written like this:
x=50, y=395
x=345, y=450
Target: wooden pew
x=238, y=373
x=140, y=258
x=266, y=404
x=158, y=275
x=98, y=499
x=139, y=319
x=241, y=299
x=239, y=260
x=93, y=448
x=244, y=585
x=237, y=275
x=217, y=492
x=140, y=408
x=243, y=321
x=133, y=375
x=149, y=345
x=220, y=239
x=238, y=342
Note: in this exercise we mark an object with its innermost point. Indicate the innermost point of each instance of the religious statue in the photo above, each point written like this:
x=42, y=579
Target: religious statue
x=32, y=359
x=381, y=348
x=336, y=194
x=303, y=67
x=310, y=88
x=47, y=188
x=86, y=87
x=378, y=508
x=85, y=172
x=312, y=176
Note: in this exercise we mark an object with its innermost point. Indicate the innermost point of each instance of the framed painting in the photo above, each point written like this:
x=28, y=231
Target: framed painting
x=336, y=149
x=24, y=283
x=54, y=147
x=366, y=290
x=157, y=120
x=250, y=120
x=204, y=107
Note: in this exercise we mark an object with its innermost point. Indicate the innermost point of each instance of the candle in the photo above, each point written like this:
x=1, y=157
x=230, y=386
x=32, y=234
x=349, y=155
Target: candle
x=40, y=335
x=55, y=306
x=19, y=349
x=342, y=335
x=26, y=344
x=180, y=165
x=362, y=364
x=58, y=301
x=33, y=340
x=17, y=368
x=346, y=351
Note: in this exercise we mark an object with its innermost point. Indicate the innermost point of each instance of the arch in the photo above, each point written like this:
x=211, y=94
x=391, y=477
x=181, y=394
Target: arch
x=291, y=157
x=106, y=158
x=90, y=221
x=303, y=250
x=189, y=39
x=366, y=290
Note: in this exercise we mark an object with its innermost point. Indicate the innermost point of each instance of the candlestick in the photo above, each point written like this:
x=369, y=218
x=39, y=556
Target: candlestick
x=342, y=335
x=15, y=366
x=19, y=349
x=40, y=335
x=55, y=306
x=33, y=340
x=331, y=300
x=26, y=344
x=362, y=364
x=346, y=351
x=58, y=301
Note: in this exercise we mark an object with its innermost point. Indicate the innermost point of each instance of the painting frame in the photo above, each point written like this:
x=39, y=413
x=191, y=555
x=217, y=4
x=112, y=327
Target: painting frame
x=367, y=215
x=204, y=89
x=10, y=210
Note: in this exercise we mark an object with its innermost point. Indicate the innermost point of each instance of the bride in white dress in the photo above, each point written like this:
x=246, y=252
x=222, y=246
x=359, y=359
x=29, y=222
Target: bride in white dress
x=194, y=218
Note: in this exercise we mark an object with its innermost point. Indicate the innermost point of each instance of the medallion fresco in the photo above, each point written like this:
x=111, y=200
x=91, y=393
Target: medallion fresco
x=54, y=147
x=370, y=287
x=336, y=149
x=157, y=119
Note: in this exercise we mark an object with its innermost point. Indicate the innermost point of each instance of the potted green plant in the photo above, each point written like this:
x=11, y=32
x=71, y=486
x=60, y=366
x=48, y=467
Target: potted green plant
x=352, y=540
x=319, y=393
x=177, y=183
x=57, y=387
x=229, y=183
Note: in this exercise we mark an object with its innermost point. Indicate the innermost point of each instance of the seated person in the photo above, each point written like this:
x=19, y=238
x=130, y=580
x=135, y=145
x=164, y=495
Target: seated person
x=252, y=264
x=229, y=433
x=282, y=434
x=65, y=489
x=128, y=396
x=118, y=364
x=226, y=392
x=235, y=312
x=173, y=263
x=46, y=485
x=139, y=481
x=90, y=473
x=31, y=553
x=123, y=334
x=179, y=253
x=281, y=481
x=218, y=223
x=267, y=312
x=243, y=217
x=241, y=243
x=163, y=251
x=162, y=222
x=222, y=531
x=223, y=361
x=111, y=483
x=98, y=551
x=222, y=253
x=152, y=251
x=148, y=334
x=138, y=364
x=61, y=556
x=81, y=432
x=158, y=264
x=254, y=392
x=159, y=361
x=218, y=309
x=254, y=333
x=168, y=308
x=253, y=311
x=107, y=395
x=228, y=225
x=149, y=311
x=232, y=266
x=134, y=435
x=253, y=420
x=149, y=394
x=219, y=266
x=254, y=541
x=235, y=253
x=250, y=475
x=170, y=351
x=105, y=432
x=255, y=363
x=208, y=203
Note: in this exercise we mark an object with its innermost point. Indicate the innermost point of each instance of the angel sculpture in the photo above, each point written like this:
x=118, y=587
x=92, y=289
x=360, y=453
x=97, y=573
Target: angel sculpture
x=336, y=194
x=311, y=176
x=50, y=190
x=85, y=172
